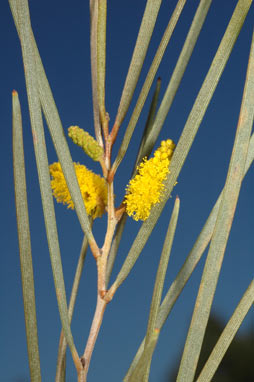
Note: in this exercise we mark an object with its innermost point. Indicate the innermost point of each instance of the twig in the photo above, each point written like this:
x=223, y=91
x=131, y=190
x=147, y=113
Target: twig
x=95, y=328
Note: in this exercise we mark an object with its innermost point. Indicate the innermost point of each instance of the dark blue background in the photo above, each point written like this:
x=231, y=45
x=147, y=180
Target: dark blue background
x=61, y=29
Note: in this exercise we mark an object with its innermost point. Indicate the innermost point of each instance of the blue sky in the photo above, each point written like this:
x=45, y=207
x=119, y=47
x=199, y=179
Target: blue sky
x=62, y=34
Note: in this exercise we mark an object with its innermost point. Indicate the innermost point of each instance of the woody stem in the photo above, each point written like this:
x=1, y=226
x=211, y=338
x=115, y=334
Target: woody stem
x=95, y=328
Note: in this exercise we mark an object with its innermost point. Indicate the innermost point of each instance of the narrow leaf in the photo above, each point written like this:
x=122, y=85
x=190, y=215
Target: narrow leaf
x=26, y=264
x=142, y=152
x=101, y=56
x=188, y=135
x=196, y=252
x=221, y=231
x=140, y=155
x=181, y=65
x=93, y=48
x=206, y=92
x=161, y=272
x=190, y=263
x=139, y=53
x=57, y=134
x=156, y=299
x=140, y=370
x=42, y=166
x=148, y=83
x=227, y=335
x=60, y=372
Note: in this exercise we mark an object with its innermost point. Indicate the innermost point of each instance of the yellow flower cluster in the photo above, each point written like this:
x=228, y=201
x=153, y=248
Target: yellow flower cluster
x=93, y=189
x=146, y=188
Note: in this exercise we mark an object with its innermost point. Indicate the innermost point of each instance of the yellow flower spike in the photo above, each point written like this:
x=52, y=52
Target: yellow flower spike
x=145, y=189
x=93, y=189
x=83, y=139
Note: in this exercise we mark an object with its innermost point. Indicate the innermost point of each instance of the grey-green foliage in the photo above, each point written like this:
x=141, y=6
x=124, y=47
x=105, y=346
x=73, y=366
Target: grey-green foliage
x=22, y=12
x=218, y=224
x=26, y=264
x=221, y=230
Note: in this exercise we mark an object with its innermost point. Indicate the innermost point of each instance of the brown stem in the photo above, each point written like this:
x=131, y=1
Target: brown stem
x=82, y=376
x=110, y=293
x=101, y=261
x=112, y=172
x=112, y=221
x=96, y=324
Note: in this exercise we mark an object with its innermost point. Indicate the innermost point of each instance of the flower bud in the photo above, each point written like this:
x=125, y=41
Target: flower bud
x=83, y=139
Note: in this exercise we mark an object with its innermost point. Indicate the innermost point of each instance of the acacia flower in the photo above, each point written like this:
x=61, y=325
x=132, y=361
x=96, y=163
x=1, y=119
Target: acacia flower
x=83, y=139
x=145, y=189
x=93, y=189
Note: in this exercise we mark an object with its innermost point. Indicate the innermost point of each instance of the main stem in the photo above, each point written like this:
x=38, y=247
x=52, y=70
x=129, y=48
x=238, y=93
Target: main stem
x=101, y=302
x=95, y=328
